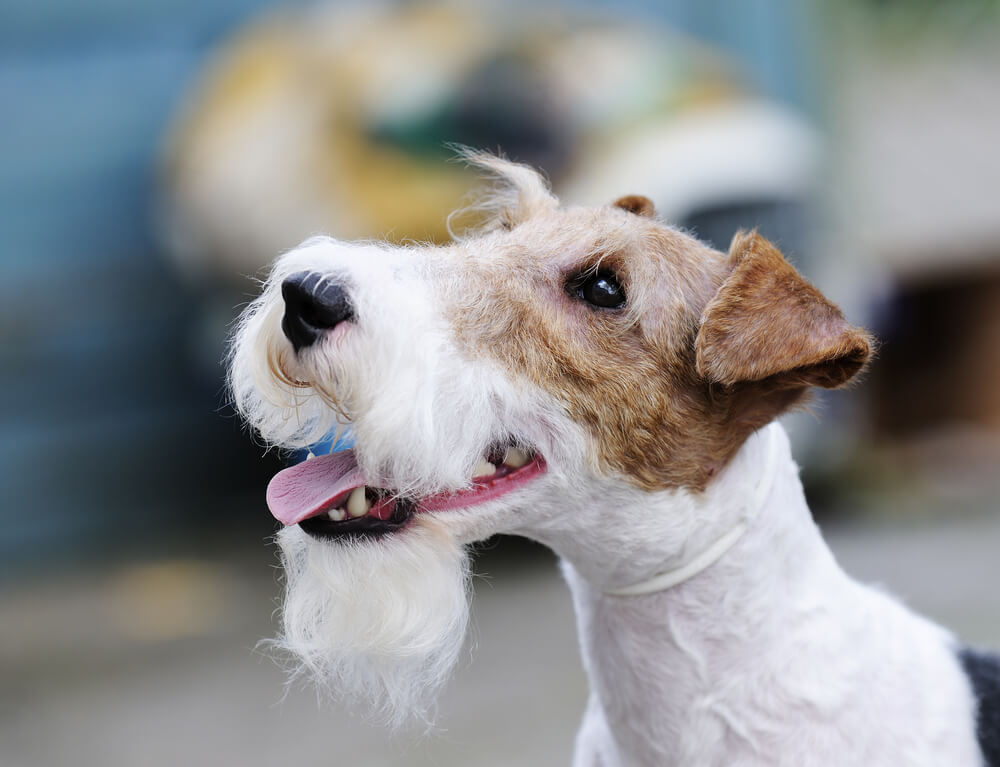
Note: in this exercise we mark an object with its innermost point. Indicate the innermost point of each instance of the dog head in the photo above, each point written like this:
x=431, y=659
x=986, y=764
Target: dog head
x=582, y=376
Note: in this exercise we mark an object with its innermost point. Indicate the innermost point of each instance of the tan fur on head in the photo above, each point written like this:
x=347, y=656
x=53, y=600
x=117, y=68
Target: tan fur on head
x=707, y=349
x=627, y=376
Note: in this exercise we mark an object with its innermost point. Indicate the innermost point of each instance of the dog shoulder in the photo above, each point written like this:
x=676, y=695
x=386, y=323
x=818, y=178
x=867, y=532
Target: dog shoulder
x=983, y=670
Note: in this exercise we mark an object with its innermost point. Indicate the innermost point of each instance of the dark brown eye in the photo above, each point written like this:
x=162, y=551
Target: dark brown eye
x=601, y=289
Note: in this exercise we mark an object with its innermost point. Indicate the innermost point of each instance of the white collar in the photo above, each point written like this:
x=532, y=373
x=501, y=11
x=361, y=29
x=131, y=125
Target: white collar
x=709, y=556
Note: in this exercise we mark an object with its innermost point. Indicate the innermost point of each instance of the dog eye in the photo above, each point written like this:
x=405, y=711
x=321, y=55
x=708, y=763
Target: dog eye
x=601, y=289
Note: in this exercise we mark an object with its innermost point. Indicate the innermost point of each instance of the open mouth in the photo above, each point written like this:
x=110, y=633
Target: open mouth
x=329, y=498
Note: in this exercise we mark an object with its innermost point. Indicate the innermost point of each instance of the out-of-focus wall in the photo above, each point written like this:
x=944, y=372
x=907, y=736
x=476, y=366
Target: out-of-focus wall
x=912, y=109
x=105, y=424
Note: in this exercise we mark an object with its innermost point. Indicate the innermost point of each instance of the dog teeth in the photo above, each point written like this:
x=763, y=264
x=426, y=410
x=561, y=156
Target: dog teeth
x=515, y=458
x=336, y=515
x=310, y=455
x=358, y=503
x=483, y=469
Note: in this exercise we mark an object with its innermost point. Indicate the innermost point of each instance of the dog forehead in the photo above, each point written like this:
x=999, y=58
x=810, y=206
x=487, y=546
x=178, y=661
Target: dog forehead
x=565, y=239
x=517, y=283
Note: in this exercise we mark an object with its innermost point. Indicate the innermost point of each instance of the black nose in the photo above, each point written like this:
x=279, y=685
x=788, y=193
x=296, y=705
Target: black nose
x=314, y=303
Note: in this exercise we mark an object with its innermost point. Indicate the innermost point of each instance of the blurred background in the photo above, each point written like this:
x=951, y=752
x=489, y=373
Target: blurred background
x=155, y=156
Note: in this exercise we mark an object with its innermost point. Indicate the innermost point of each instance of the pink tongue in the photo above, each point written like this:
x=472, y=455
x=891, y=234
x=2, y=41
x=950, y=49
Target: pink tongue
x=303, y=490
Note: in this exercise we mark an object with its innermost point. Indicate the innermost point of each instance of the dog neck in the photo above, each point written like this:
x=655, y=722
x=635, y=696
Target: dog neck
x=771, y=439
x=664, y=537
x=654, y=658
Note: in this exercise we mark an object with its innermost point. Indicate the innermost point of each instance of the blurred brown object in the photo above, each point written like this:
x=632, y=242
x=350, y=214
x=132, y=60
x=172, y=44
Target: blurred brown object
x=940, y=364
x=917, y=116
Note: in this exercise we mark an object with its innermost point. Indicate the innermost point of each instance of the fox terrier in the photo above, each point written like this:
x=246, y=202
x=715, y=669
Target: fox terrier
x=606, y=385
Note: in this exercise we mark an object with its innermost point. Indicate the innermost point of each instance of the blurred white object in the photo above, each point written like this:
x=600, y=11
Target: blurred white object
x=736, y=150
x=336, y=119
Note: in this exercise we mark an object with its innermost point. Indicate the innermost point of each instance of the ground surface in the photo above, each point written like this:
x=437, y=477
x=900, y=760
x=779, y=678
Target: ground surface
x=122, y=664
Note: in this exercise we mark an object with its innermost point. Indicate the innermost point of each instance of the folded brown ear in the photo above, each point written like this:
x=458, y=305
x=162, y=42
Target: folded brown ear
x=767, y=323
x=636, y=203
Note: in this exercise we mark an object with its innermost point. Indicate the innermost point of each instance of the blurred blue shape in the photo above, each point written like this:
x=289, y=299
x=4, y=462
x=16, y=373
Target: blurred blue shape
x=775, y=41
x=329, y=444
x=104, y=425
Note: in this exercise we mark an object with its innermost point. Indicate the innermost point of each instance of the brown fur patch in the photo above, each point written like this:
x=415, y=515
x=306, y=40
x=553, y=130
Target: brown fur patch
x=626, y=375
x=667, y=396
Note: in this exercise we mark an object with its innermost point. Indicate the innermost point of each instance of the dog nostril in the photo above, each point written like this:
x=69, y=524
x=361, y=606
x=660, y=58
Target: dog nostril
x=313, y=304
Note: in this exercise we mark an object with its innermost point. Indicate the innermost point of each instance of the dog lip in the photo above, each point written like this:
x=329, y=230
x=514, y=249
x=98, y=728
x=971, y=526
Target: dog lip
x=311, y=488
x=485, y=488
x=397, y=514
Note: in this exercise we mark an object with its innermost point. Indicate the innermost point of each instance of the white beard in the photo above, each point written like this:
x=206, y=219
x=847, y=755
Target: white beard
x=380, y=623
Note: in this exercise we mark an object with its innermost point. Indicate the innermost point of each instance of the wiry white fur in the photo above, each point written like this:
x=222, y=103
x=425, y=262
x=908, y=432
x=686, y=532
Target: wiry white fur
x=518, y=194
x=378, y=624
x=421, y=414
x=770, y=656
x=283, y=414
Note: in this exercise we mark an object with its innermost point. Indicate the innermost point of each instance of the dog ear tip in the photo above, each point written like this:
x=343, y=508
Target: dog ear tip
x=863, y=350
x=637, y=204
x=745, y=241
